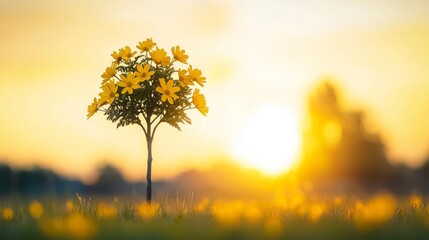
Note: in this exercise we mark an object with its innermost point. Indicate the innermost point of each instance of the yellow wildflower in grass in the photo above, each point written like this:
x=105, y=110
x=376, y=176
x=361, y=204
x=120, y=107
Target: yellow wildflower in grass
x=147, y=211
x=377, y=211
x=179, y=55
x=129, y=83
x=199, y=102
x=146, y=46
x=159, y=56
x=167, y=90
x=93, y=108
x=359, y=206
x=117, y=56
x=74, y=226
x=316, y=211
x=252, y=213
x=109, y=73
x=69, y=206
x=298, y=199
x=78, y=227
x=109, y=92
x=415, y=201
x=35, y=210
x=105, y=211
x=126, y=53
x=184, y=79
x=202, y=205
x=7, y=214
x=227, y=213
x=195, y=75
x=143, y=72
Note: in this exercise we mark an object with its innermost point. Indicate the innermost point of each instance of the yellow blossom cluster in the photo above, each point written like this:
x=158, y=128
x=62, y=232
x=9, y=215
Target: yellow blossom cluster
x=147, y=211
x=74, y=226
x=7, y=214
x=35, y=209
x=151, y=76
x=106, y=211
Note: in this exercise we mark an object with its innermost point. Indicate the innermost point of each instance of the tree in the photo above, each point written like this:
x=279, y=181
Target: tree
x=146, y=89
x=110, y=181
x=337, y=146
x=5, y=179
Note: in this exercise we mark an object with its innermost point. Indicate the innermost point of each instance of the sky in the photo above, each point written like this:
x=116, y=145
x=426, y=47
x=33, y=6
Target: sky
x=256, y=55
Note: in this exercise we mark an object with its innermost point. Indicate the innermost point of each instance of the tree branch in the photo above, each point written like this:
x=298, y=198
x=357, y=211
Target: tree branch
x=144, y=116
x=155, y=119
x=156, y=126
x=144, y=129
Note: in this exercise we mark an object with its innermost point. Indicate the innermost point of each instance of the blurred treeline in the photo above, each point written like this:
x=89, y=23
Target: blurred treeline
x=39, y=181
x=223, y=180
x=339, y=156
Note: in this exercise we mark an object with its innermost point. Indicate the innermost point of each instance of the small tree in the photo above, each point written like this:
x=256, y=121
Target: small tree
x=146, y=89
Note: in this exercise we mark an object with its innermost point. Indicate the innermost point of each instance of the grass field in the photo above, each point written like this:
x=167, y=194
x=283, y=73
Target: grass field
x=297, y=217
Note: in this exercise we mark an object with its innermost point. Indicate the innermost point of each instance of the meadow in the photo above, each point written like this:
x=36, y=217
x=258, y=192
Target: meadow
x=382, y=216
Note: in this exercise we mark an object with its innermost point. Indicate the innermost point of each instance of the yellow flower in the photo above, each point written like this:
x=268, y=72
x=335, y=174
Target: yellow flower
x=7, y=214
x=167, y=90
x=69, y=206
x=109, y=73
x=126, y=53
x=195, y=75
x=227, y=213
x=104, y=211
x=202, y=205
x=92, y=109
x=77, y=226
x=179, y=55
x=35, y=209
x=143, y=72
x=184, y=79
x=159, y=56
x=109, y=92
x=73, y=226
x=117, y=56
x=129, y=83
x=147, y=45
x=147, y=211
x=199, y=102
x=316, y=211
x=377, y=211
x=415, y=201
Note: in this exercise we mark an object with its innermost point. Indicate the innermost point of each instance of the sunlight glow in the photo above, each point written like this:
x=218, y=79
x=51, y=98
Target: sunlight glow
x=269, y=140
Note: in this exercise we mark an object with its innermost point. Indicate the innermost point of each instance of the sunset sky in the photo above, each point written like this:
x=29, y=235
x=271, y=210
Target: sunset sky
x=261, y=58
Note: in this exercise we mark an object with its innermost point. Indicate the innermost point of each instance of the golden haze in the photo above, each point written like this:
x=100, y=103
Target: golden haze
x=51, y=60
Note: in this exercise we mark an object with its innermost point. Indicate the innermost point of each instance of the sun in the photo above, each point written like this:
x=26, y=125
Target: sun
x=269, y=140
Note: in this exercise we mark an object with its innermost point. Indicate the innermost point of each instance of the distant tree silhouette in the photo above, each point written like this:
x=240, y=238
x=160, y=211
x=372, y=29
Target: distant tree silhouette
x=422, y=174
x=5, y=180
x=36, y=181
x=110, y=181
x=405, y=180
x=336, y=144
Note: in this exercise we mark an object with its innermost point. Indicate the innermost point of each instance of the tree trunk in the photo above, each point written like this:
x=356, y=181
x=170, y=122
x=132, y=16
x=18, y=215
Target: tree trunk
x=149, y=170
